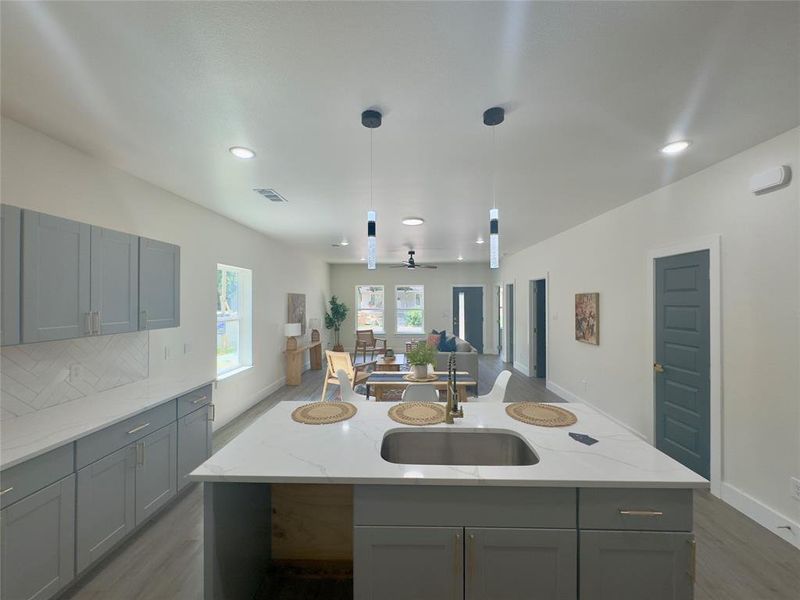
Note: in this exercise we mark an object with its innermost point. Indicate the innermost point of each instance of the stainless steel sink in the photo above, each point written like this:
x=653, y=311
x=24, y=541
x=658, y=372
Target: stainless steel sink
x=451, y=447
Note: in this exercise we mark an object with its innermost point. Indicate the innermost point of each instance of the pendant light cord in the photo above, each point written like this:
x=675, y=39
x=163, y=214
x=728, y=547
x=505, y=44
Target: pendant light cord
x=370, y=168
x=494, y=169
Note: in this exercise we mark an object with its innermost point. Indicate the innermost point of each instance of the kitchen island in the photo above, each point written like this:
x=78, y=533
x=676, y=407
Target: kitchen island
x=613, y=520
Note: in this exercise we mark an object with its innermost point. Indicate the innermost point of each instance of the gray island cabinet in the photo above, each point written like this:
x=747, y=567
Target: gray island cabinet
x=612, y=521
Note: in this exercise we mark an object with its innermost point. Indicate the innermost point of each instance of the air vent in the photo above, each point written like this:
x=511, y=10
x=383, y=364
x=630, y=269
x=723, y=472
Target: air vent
x=270, y=194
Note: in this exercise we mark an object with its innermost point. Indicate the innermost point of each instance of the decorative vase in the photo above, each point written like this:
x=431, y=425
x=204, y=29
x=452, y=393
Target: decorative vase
x=420, y=371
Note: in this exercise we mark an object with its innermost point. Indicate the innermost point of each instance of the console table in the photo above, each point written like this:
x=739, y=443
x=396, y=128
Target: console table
x=294, y=361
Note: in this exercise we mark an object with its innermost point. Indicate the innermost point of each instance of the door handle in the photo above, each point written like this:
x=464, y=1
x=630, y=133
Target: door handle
x=96, y=322
x=140, y=454
x=138, y=428
x=213, y=412
x=88, y=324
x=199, y=400
x=658, y=367
x=457, y=555
x=5, y=491
x=640, y=513
x=692, y=559
x=470, y=558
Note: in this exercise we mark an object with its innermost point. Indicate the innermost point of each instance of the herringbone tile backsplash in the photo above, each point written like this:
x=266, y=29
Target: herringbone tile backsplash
x=37, y=376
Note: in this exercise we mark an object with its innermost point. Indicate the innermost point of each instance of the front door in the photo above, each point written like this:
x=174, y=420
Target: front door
x=468, y=315
x=682, y=359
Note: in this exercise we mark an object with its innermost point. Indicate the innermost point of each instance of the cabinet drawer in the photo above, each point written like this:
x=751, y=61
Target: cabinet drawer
x=193, y=400
x=35, y=474
x=110, y=439
x=636, y=509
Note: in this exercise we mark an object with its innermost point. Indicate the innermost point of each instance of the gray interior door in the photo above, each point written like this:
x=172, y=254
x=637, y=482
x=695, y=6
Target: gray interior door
x=159, y=284
x=38, y=536
x=537, y=323
x=106, y=498
x=521, y=564
x=468, y=315
x=408, y=563
x=682, y=359
x=115, y=280
x=194, y=442
x=634, y=565
x=156, y=475
x=10, y=240
x=55, y=278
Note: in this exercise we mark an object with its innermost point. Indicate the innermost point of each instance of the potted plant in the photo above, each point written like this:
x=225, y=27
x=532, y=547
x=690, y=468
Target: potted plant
x=419, y=357
x=334, y=320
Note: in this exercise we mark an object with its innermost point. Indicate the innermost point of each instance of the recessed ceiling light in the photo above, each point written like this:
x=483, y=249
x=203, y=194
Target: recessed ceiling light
x=344, y=243
x=460, y=258
x=241, y=152
x=676, y=147
x=362, y=259
x=479, y=240
x=413, y=221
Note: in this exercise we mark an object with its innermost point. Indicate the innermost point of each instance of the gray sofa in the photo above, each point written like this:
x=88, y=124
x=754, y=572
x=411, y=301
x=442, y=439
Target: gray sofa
x=466, y=359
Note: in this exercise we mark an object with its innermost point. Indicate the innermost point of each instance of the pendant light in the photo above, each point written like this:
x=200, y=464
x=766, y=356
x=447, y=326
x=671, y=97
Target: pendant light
x=371, y=119
x=491, y=118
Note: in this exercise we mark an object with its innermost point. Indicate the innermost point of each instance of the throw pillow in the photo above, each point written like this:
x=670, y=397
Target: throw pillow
x=442, y=340
x=433, y=340
x=449, y=344
x=462, y=345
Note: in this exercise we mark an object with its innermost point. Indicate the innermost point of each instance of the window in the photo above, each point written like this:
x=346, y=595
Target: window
x=410, y=308
x=369, y=306
x=234, y=322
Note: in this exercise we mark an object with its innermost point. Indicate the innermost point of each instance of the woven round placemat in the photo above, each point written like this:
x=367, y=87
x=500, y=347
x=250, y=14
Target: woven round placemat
x=544, y=415
x=417, y=413
x=323, y=413
x=426, y=379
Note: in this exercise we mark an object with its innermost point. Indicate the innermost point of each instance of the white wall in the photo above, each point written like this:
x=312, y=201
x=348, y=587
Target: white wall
x=760, y=295
x=43, y=174
x=438, y=297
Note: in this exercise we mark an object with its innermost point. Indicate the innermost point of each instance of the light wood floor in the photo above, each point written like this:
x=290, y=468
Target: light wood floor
x=736, y=558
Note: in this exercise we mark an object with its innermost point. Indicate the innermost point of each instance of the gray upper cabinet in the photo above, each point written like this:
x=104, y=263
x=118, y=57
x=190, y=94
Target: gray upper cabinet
x=106, y=504
x=55, y=278
x=115, y=281
x=401, y=563
x=159, y=284
x=521, y=564
x=37, y=536
x=10, y=240
x=156, y=471
x=630, y=565
x=194, y=442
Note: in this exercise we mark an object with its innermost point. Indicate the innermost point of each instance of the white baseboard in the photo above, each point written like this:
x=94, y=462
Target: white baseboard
x=254, y=399
x=522, y=368
x=571, y=397
x=762, y=514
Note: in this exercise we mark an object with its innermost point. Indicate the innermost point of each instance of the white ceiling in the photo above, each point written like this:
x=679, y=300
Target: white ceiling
x=592, y=90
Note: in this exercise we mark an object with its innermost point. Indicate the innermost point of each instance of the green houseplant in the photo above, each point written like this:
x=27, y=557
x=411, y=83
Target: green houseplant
x=334, y=320
x=419, y=357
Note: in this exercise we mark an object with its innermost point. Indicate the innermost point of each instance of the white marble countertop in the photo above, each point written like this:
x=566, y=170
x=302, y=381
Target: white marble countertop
x=33, y=434
x=277, y=449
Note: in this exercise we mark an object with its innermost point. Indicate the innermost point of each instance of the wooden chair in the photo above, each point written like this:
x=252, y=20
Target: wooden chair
x=366, y=340
x=341, y=360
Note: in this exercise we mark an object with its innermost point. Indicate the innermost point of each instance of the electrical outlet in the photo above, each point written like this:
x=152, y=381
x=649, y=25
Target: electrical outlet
x=75, y=373
x=166, y=353
x=796, y=488
x=186, y=348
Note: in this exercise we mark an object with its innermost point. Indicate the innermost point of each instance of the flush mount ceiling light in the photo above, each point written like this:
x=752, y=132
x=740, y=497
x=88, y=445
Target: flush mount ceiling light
x=492, y=117
x=362, y=259
x=344, y=243
x=413, y=221
x=479, y=240
x=460, y=258
x=676, y=147
x=371, y=119
x=241, y=152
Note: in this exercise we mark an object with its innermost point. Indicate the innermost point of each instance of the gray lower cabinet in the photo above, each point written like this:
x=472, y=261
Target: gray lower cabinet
x=10, y=240
x=159, y=284
x=631, y=565
x=106, y=504
x=408, y=563
x=37, y=535
x=194, y=442
x=55, y=278
x=115, y=281
x=521, y=564
x=156, y=471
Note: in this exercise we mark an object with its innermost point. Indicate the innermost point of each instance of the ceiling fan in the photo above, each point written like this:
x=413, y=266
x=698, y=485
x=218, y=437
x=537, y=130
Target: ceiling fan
x=412, y=264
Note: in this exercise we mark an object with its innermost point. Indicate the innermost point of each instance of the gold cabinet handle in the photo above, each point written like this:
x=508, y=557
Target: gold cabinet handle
x=138, y=428
x=96, y=322
x=457, y=555
x=140, y=455
x=5, y=491
x=658, y=367
x=213, y=414
x=470, y=557
x=88, y=325
x=640, y=513
x=692, y=559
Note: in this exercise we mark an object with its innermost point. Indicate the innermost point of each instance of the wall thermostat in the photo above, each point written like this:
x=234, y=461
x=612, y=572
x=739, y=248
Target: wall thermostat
x=770, y=180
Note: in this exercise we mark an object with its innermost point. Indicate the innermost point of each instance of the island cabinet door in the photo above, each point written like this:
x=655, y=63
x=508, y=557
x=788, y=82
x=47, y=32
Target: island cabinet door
x=408, y=563
x=521, y=564
x=38, y=536
x=194, y=442
x=631, y=565
x=156, y=472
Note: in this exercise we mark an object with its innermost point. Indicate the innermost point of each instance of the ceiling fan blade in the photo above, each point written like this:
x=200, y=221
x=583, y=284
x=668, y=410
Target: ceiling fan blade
x=398, y=266
x=427, y=267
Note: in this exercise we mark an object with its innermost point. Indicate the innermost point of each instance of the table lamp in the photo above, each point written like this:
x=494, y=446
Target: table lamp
x=291, y=331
